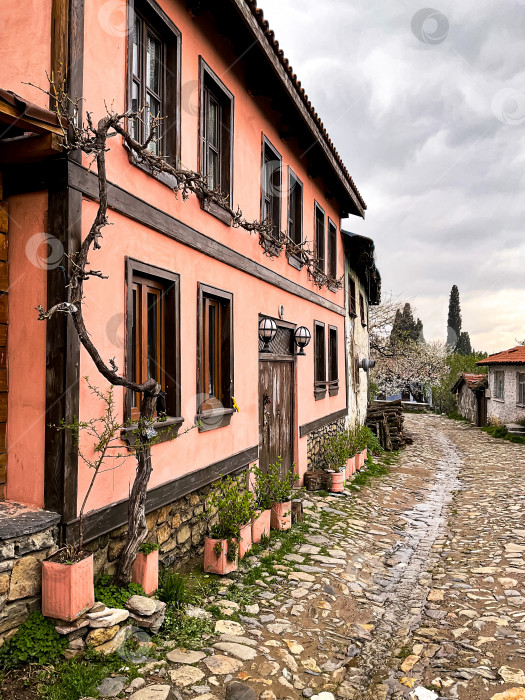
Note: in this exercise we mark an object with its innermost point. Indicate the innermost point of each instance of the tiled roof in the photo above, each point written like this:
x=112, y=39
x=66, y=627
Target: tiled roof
x=514, y=356
x=270, y=36
x=473, y=381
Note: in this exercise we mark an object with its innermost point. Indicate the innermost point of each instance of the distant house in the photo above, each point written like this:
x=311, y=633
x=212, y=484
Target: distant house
x=471, y=400
x=506, y=395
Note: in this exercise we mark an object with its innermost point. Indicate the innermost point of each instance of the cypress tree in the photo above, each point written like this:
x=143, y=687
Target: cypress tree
x=464, y=347
x=454, y=319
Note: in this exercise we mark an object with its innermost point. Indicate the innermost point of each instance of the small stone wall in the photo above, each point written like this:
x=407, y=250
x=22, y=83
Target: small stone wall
x=179, y=528
x=467, y=404
x=316, y=439
x=26, y=538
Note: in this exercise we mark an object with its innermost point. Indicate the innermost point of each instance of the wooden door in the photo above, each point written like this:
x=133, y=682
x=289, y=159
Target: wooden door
x=276, y=391
x=482, y=409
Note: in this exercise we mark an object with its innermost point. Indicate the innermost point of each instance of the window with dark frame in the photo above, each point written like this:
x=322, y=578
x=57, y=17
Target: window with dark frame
x=154, y=83
x=521, y=388
x=216, y=131
x=153, y=337
x=352, y=301
x=333, y=367
x=319, y=361
x=215, y=354
x=319, y=237
x=271, y=187
x=356, y=371
x=332, y=250
x=295, y=208
x=362, y=309
x=499, y=385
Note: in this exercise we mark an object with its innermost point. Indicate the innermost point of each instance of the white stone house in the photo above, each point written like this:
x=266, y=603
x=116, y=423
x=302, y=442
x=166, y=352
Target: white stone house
x=506, y=390
x=470, y=396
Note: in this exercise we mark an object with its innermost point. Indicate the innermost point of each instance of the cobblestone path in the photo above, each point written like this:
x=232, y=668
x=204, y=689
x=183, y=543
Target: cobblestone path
x=411, y=587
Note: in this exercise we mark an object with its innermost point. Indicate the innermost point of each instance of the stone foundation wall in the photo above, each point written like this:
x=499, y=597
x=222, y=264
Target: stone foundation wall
x=20, y=576
x=179, y=528
x=316, y=439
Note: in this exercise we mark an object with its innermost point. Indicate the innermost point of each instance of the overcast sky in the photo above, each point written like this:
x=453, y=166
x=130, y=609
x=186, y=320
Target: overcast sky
x=427, y=109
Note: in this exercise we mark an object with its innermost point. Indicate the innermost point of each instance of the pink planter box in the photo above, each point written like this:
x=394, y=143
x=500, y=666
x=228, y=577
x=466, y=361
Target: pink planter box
x=214, y=564
x=146, y=571
x=338, y=484
x=281, y=518
x=67, y=589
x=245, y=542
x=350, y=467
x=261, y=526
x=357, y=461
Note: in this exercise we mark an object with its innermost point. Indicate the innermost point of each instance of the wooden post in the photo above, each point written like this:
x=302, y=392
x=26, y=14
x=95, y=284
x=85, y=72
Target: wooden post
x=297, y=510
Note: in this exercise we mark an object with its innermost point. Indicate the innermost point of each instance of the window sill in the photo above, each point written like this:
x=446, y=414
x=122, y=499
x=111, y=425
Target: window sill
x=165, y=178
x=166, y=430
x=216, y=210
x=214, y=418
x=352, y=314
x=294, y=261
x=331, y=287
x=333, y=390
x=494, y=398
x=319, y=392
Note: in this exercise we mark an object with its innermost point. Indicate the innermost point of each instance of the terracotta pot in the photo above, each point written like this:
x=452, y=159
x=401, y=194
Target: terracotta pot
x=338, y=483
x=281, y=518
x=350, y=467
x=146, y=571
x=365, y=455
x=67, y=589
x=357, y=458
x=261, y=525
x=313, y=481
x=214, y=564
x=245, y=541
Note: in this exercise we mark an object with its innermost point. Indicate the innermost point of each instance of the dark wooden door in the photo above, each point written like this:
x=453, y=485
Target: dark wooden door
x=276, y=391
x=482, y=409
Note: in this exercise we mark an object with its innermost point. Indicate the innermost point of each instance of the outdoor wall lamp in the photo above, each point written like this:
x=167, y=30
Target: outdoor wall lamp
x=302, y=337
x=267, y=331
x=367, y=364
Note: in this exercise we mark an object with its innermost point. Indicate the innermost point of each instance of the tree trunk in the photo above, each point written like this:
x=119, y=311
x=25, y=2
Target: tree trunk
x=137, y=528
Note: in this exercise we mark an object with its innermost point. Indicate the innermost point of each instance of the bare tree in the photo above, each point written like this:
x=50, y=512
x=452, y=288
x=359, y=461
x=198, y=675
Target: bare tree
x=92, y=140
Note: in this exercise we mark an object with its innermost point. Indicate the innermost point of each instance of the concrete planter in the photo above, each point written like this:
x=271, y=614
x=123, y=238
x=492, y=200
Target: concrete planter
x=281, y=518
x=261, y=525
x=146, y=571
x=67, y=589
x=214, y=564
x=245, y=540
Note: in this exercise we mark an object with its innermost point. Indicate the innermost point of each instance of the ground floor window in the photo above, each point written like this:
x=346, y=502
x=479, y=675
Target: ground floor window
x=521, y=388
x=499, y=385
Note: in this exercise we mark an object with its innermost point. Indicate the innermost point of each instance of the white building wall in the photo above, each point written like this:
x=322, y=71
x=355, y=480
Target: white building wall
x=357, y=346
x=506, y=410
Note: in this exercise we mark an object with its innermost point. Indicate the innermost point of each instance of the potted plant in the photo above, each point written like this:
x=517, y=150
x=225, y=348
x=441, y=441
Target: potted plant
x=351, y=462
x=263, y=504
x=280, y=490
x=335, y=454
x=234, y=510
x=146, y=567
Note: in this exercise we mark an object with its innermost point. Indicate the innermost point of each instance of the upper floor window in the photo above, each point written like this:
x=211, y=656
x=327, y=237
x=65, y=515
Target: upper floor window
x=154, y=78
x=499, y=385
x=332, y=250
x=362, y=309
x=271, y=187
x=319, y=360
x=216, y=128
x=215, y=357
x=521, y=388
x=333, y=366
x=153, y=338
x=320, y=237
x=352, y=300
x=295, y=208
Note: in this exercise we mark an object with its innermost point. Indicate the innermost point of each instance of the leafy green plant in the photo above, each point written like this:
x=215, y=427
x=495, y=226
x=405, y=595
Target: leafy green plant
x=233, y=506
x=499, y=431
x=334, y=452
x=113, y=595
x=280, y=487
x=172, y=588
x=262, y=488
x=36, y=641
x=186, y=632
x=148, y=547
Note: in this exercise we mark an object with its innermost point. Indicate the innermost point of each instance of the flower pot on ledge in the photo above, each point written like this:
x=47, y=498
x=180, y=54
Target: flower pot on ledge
x=67, y=589
x=218, y=563
x=146, y=571
x=281, y=517
x=261, y=525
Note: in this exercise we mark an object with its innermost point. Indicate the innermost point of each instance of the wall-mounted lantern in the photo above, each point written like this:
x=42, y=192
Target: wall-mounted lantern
x=302, y=337
x=367, y=364
x=267, y=331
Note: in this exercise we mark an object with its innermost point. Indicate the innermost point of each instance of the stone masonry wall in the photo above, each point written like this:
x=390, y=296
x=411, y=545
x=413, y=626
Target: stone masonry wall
x=316, y=439
x=179, y=528
x=506, y=410
x=467, y=404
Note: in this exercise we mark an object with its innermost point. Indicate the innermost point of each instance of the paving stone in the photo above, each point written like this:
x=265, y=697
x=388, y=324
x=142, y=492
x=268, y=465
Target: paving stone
x=185, y=656
x=240, y=651
x=185, y=675
x=154, y=692
x=222, y=665
x=229, y=627
x=112, y=686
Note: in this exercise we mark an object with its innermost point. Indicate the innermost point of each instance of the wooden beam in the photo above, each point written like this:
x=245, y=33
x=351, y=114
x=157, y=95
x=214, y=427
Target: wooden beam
x=31, y=148
x=59, y=44
x=321, y=422
x=10, y=115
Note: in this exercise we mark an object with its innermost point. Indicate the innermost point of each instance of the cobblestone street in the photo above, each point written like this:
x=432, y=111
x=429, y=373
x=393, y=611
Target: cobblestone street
x=411, y=587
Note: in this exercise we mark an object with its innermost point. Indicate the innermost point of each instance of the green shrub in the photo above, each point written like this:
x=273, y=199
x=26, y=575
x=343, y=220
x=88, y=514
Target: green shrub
x=233, y=506
x=186, y=632
x=335, y=452
x=280, y=488
x=172, y=589
x=114, y=596
x=148, y=547
x=262, y=488
x=36, y=641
